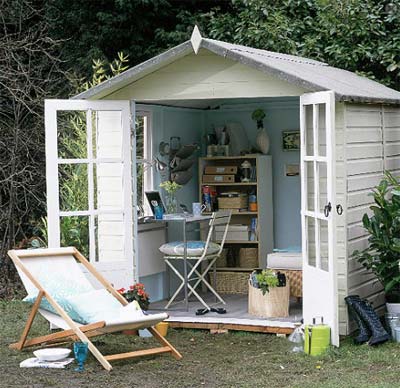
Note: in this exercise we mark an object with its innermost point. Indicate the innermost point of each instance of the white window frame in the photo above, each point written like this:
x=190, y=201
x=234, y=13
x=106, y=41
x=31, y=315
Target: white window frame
x=148, y=174
x=53, y=162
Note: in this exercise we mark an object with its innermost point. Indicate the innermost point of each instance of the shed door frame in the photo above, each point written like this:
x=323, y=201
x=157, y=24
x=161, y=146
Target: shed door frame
x=318, y=160
x=126, y=266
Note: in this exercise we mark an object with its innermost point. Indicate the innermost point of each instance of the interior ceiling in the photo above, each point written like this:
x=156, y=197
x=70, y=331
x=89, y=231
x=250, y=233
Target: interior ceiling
x=210, y=104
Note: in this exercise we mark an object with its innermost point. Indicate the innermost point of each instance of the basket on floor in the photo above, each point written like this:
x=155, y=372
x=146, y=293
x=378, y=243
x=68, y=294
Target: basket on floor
x=272, y=304
x=230, y=282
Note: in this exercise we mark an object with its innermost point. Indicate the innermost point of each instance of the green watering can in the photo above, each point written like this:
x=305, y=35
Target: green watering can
x=317, y=337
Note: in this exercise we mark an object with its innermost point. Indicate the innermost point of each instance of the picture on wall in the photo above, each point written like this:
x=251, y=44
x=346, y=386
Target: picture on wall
x=291, y=140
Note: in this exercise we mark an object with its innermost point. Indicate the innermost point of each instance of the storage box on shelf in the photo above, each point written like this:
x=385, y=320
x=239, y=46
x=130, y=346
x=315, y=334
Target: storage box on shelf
x=252, y=230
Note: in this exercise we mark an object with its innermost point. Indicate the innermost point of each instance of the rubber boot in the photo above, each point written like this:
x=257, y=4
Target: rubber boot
x=364, y=333
x=367, y=313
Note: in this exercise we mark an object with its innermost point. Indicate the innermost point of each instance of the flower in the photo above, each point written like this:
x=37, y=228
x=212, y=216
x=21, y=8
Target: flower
x=170, y=187
x=136, y=292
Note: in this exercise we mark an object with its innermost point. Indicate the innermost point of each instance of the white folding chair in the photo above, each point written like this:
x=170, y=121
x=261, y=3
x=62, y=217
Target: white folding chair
x=210, y=251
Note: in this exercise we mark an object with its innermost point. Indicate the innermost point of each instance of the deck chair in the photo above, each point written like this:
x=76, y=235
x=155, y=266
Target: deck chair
x=37, y=266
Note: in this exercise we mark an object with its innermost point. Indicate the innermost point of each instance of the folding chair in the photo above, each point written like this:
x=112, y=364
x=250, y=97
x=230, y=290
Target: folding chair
x=43, y=271
x=210, y=252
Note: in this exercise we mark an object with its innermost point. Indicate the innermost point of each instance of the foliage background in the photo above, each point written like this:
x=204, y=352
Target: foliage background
x=47, y=48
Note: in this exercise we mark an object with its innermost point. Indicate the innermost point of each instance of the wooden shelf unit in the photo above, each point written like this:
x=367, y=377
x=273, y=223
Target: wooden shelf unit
x=262, y=188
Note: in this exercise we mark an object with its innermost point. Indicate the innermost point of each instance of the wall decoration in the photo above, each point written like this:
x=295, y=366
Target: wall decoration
x=291, y=140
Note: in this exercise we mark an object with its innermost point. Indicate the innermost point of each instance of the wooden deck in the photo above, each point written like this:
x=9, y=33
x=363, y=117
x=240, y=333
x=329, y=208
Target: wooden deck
x=236, y=317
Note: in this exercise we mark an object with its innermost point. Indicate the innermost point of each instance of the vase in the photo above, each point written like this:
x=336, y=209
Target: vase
x=262, y=141
x=171, y=204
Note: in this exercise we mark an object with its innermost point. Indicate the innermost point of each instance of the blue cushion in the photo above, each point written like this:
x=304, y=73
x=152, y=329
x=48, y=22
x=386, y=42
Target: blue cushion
x=65, y=305
x=92, y=306
x=60, y=290
x=194, y=248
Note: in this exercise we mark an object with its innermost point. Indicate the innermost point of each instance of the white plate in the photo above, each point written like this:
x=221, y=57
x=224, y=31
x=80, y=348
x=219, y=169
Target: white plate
x=52, y=354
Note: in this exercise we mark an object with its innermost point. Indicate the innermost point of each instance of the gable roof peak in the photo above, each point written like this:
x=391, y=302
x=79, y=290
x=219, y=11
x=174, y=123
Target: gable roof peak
x=196, y=39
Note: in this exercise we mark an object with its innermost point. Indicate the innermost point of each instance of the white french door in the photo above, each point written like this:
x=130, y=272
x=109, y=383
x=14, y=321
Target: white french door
x=89, y=182
x=317, y=127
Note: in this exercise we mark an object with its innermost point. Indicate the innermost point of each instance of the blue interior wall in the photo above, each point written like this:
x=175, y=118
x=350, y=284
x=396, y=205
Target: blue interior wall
x=191, y=125
x=188, y=124
x=281, y=114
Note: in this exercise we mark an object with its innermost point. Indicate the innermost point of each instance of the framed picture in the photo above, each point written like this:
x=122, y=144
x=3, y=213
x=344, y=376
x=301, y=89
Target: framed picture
x=291, y=140
x=154, y=199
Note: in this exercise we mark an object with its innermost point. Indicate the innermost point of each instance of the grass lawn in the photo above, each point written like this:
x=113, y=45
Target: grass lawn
x=236, y=359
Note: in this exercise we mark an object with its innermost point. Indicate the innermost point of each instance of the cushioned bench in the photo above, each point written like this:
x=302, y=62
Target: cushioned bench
x=291, y=264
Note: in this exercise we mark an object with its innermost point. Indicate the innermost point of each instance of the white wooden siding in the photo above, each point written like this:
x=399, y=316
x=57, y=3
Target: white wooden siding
x=109, y=181
x=341, y=243
x=204, y=76
x=372, y=146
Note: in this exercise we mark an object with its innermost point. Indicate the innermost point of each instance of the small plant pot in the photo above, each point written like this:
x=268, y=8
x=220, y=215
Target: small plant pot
x=162, y=328
x=130, y=332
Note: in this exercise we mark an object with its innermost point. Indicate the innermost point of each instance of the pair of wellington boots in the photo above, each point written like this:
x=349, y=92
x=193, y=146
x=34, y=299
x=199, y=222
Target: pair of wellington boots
x=368, y=322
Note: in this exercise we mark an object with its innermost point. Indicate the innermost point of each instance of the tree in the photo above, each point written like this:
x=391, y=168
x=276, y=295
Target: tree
x=29, y=72
x=356, y=35
x=102, y=28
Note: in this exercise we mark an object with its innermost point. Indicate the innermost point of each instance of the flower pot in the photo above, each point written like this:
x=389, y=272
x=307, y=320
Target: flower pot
x=130, y=332
x=162, y=328
x=272, y=304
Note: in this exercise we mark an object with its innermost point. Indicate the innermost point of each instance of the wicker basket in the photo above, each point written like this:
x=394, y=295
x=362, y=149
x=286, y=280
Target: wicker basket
x=295, y=279
x=240, y=202
x=248, y=258
x=274, y=303
x=230, y=282
x=222, y=259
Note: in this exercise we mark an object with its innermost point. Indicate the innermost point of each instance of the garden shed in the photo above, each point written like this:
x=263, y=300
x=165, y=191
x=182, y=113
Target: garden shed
x=349, y=134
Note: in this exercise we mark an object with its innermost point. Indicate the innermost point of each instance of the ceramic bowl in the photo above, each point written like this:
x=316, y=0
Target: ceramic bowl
x=52, y=354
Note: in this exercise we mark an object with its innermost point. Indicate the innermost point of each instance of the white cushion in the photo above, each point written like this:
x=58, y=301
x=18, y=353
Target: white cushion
x=194, y=248
x=94, y=306
x=285, y=260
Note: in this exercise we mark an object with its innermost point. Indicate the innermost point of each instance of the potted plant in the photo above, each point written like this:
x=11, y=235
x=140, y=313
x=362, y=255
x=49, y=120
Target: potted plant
x=268, y=294
x=136, y=292
x=171, y=188
x=267, y=279
x=382, y=256
x=262, y=139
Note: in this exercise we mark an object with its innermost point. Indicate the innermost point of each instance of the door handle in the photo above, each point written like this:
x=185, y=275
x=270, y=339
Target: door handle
x=339, y=209
x=327, y=209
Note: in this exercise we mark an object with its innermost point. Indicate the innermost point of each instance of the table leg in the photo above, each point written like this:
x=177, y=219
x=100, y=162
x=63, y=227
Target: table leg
x=185, y=279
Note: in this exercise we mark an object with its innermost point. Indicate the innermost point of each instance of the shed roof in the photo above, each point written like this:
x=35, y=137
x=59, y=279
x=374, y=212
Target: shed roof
x=306, y=73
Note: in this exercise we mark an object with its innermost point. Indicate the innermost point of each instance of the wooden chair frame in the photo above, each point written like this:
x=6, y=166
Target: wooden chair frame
x=75, y=331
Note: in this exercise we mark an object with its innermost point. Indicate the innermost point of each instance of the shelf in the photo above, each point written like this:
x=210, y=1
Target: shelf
x=234, y=269
x=239, y=242
x=230, y=184
x=250, y=156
